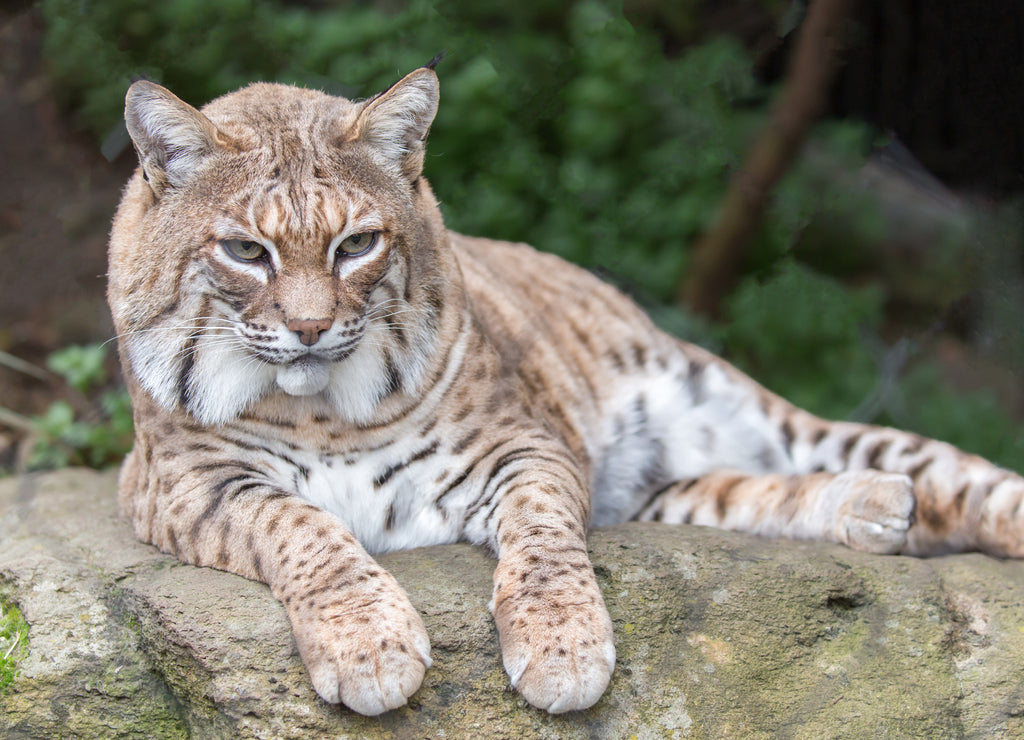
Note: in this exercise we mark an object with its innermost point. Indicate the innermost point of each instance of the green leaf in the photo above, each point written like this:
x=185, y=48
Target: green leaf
x=81, y=366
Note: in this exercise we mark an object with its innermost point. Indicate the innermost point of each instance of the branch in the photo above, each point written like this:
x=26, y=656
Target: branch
x=21, y=366
x=718, y=255
x=14, y=420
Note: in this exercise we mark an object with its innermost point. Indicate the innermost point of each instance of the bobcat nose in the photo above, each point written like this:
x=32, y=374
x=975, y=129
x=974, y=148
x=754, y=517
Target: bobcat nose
x=309, y=330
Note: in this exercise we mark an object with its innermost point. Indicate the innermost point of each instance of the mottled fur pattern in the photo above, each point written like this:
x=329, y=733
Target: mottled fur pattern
x=319, y=370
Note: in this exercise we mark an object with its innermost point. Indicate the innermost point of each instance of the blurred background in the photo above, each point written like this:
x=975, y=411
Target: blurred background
x=881, y=278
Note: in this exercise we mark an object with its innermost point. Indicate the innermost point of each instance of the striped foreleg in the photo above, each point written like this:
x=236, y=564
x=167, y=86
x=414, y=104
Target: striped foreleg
x=555, y=632
x=360, y=638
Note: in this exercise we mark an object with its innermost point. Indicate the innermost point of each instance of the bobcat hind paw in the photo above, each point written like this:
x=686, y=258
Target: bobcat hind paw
x=876, y=511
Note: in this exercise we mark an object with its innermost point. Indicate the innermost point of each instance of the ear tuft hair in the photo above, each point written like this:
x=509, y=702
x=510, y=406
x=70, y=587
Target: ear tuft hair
x=432, y=64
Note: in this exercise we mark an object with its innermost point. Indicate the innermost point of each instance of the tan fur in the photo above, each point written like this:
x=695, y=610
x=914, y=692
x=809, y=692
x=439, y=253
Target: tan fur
x=296, y=410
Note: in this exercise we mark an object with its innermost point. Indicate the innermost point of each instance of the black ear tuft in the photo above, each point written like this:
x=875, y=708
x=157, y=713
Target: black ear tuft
x=436, y=60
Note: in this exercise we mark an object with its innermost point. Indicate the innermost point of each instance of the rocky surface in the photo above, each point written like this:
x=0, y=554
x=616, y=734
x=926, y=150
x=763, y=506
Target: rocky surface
x=719, y=635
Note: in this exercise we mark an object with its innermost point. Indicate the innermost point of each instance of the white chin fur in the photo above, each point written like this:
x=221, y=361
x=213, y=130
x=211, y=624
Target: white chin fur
x=303, y=377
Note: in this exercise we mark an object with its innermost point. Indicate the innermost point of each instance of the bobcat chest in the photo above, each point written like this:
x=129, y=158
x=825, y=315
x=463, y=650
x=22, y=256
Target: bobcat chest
x=384, y=497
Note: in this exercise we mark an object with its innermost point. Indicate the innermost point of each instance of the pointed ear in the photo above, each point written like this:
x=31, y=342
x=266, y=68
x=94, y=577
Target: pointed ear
x=171, y=137
x=395, y=123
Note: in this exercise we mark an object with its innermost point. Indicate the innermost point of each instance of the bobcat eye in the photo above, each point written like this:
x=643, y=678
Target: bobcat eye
x=243, y=250
x=358, y=243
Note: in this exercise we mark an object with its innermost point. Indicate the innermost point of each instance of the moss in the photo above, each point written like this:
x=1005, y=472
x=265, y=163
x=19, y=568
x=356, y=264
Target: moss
x=13, y=642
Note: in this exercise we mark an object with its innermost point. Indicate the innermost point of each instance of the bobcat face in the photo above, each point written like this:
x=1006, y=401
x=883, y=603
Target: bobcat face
x=301, y=286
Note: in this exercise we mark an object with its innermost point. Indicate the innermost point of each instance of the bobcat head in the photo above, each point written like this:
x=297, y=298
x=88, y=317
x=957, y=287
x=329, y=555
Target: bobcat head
x=280, y=241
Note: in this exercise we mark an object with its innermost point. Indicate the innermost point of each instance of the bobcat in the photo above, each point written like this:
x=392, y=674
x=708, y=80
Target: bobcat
x=319, y=370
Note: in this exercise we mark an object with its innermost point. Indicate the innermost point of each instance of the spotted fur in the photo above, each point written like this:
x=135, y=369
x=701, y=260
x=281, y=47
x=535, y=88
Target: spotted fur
x=301, y=401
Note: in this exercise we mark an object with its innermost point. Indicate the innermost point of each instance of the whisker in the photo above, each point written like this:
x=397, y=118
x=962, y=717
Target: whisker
x=190, y=325
x=396, y=311
x=209, y=342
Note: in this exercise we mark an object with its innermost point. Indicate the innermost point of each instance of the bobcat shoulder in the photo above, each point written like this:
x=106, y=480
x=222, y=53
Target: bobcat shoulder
x=320, y=370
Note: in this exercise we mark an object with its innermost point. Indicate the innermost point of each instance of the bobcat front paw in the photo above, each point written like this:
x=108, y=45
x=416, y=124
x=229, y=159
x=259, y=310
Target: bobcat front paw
x=874, y=510
x=370, y=654
x=558, y=655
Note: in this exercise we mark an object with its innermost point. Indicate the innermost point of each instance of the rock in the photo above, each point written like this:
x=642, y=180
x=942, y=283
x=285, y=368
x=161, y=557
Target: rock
x=719, y=634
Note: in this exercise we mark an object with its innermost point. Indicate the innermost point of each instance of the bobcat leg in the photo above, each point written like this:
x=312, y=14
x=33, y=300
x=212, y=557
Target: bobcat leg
x=361, y=640
x=555, y=632
x=964, y=502
x=866, y=510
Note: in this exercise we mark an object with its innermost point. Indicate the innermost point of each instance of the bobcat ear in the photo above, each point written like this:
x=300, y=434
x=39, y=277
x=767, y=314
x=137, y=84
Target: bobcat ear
x=171, y=137
x=395, y=123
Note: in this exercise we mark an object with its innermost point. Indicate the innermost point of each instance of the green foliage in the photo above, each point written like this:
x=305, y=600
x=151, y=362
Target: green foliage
x=99, y=436
x=974, y=421
x=801, y=334
x=13, y=643
x=566, y=126
x=816, y=342
x=81, y=366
